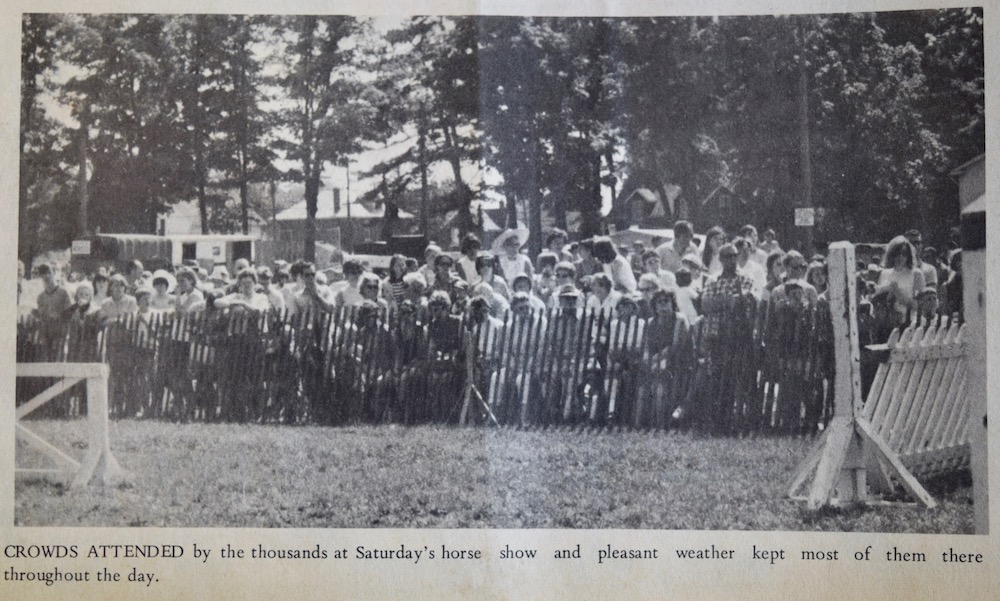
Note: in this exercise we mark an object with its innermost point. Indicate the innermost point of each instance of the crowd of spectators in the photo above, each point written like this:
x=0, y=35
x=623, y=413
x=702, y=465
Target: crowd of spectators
x=908, y=281
x=649, y=299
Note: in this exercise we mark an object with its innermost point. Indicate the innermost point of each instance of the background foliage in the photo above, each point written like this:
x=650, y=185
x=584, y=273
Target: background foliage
x=862, y=115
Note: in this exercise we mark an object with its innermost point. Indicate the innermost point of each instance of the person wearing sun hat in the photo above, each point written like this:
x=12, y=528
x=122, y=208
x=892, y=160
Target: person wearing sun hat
x=163, y=283
x=507, y=247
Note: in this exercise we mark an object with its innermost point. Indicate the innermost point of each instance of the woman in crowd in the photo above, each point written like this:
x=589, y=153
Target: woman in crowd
x=393, y=286
x=163, y=284
x=471, y=245
x=486, y=273
x=817, y=275
x=714, y=240
x=667, y=336
x=775, y=272
x=512, y=262
x=900, y=279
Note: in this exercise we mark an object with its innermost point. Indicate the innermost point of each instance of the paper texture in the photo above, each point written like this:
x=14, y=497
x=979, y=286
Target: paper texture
x=861, y=569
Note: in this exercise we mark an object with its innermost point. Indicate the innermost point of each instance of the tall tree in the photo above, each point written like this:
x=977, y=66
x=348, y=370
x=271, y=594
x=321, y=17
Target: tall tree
x=329, y=110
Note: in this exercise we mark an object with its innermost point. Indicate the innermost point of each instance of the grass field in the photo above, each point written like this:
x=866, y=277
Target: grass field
x=208, y=475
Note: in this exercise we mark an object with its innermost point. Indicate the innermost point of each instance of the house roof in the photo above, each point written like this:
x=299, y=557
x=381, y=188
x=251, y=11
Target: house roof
x=324, y=210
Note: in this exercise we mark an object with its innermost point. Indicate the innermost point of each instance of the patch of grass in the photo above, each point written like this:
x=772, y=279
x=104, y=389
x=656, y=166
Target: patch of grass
x=210, y=475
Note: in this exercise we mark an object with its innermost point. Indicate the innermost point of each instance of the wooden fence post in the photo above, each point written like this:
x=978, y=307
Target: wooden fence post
x=842, y=454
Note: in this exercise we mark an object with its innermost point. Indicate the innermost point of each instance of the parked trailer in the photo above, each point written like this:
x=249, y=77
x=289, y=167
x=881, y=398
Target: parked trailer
x=160, y=251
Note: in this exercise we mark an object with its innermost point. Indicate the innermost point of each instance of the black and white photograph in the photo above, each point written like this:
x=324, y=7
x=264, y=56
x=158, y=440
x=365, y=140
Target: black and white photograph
x=417, y=271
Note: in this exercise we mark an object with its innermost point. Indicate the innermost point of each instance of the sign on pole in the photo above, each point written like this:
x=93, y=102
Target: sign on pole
x=80, y=247
x=805, y=217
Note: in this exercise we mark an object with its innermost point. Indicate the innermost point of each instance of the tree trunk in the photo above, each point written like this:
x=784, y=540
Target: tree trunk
x=312, y=203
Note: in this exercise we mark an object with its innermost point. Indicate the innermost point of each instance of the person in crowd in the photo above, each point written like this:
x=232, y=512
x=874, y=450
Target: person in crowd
x=545, y=282
x=393, y=286
x=412, y=265
x=443, y=276
x=481, y=316
x=714, y=240
x=775, y=273
x=220, y=279
x=604, y=297
x=133, y=276
x=749, y=267
x=672, y=251
x=651, y=264
x=511, y=261
x=100, y=281
x=347, y=296
x=666, y=335
x=565, y=276
x=770, y=243
x=315, y=300
x=637, y=258
x=409, y=347
x=265, y=287
x=431, y=253
x=757, y=254
x=162, y=300
x=626, y=337
x=119, y=303
x=83, y=307
x=692, y=262
x=444, y=335
x=460, y=301
x=795, y=270
x=818, y=277
x=586, y=263
x=555, y=243
x=485, y=266
x=900, y=277
x=687, y=298
x=290, y=285
x=498, y=304
x=246, y=295
x=466, y=265
x=614, y=265
x=370, y=287
x=189, y=299
x=649, y=284
x=929, y=271
x=952, y=288
x=522, y=283
x=723, y=292
x=930, y=257
x=52, y=302
x=927, y=304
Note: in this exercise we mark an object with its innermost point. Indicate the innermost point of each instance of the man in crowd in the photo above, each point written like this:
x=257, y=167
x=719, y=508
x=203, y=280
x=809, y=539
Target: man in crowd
x=746, y=264
x=314, y=300
x=795, y=269
x=757, y=254
x=671, y=252
x=53, y=301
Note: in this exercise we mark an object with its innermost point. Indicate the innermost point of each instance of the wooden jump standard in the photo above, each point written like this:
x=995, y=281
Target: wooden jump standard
x=916, y=415
x=98, y=459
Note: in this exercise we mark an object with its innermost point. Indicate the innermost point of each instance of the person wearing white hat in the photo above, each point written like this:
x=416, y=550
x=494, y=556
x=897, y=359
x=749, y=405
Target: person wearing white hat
x=513, y=263
x=164, y=283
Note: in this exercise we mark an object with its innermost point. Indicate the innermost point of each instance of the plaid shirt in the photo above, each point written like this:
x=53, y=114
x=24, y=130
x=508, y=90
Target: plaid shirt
x=719, y=288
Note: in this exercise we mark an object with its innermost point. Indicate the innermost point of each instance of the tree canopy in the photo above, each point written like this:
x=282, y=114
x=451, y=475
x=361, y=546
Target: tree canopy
x=741, y=119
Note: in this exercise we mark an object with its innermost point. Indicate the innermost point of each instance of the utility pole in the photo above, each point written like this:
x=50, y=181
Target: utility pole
x=83, y=223
x=805, y=162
